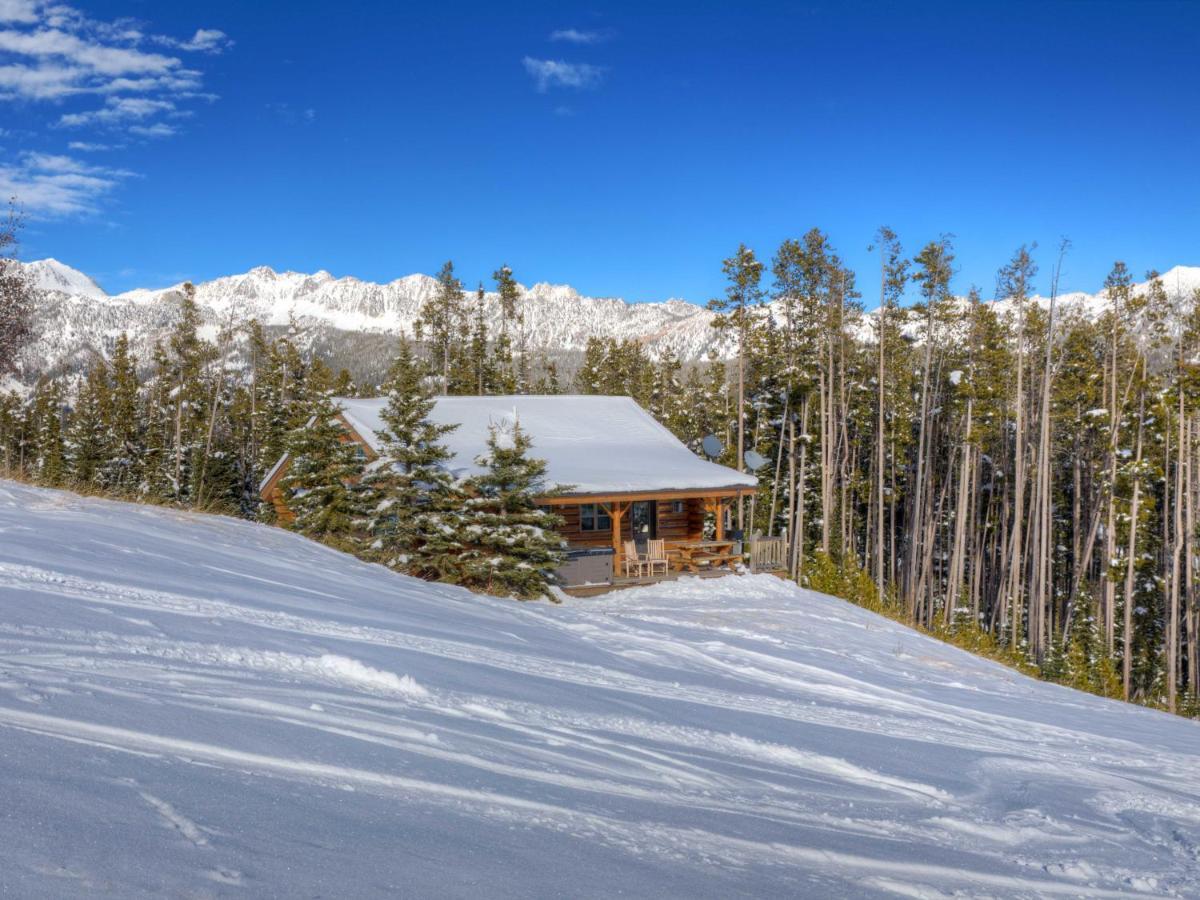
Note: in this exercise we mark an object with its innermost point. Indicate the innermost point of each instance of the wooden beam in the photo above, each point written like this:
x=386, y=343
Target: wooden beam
x=616, y=511
x=719, y=509
x=687, y=494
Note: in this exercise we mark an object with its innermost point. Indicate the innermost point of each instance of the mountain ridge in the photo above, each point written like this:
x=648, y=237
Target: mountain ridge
x=78, y=318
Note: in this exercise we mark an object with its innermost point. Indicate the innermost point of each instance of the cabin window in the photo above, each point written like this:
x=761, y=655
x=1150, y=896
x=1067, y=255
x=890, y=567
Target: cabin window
x=677, y=506
x=593, y=517
x=359, y=452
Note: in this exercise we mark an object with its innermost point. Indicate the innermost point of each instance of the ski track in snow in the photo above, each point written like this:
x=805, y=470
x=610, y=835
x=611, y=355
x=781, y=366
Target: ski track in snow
x=194, y=705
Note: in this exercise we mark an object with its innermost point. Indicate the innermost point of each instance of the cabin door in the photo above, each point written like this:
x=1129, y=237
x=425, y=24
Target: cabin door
x=643, y=516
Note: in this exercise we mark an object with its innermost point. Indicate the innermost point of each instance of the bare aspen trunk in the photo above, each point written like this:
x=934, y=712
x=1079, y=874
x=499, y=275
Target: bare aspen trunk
x=823, y=414
x=879, y=455
x=1189, y=565
x=1110, y=525
x=798, y=551
x=1127, y=661
x=1172, y=647
x=178, y=434
x=791, y=511
x=741, y=429
x=1016, y=584
x=916, y=526
x=954, y=580
x=783, y=423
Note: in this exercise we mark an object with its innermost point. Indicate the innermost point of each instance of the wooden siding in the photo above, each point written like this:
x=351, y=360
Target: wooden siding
x=687, y=525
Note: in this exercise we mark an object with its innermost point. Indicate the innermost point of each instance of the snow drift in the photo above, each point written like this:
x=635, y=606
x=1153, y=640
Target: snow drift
x=192, y=705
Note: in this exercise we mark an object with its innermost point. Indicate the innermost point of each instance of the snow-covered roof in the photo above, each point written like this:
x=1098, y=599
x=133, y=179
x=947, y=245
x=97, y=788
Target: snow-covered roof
x=593, y=444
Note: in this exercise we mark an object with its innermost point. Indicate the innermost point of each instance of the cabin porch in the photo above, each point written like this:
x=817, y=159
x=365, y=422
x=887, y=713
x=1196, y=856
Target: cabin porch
x=694, y=526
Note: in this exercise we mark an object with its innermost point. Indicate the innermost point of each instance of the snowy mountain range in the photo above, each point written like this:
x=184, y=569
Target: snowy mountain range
x=77, y=317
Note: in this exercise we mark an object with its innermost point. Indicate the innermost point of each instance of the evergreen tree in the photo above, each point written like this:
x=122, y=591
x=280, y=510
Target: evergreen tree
x=186, y=398
x=48, y=451
x=322, y=479
x=438, y=323
x=590, y=379
x=508, y=370
x=343, y=385
x=89, y=441
x=482, y=378
x=122, y=471
x=738, y=314
x=415, y=514
x=511, y=548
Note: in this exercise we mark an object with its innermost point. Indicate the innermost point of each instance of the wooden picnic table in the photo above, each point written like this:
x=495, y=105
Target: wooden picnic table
x=692, y=556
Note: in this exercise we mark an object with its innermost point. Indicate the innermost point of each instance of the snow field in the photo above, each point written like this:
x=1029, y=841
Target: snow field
x=195, y=705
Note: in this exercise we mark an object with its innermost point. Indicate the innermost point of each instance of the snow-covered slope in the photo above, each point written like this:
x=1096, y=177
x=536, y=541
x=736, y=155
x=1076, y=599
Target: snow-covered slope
x=51, y=275
x=77, y=317
x=194, y=706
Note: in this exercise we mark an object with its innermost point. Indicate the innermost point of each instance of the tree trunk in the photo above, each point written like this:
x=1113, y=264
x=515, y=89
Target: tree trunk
x=1127, y=661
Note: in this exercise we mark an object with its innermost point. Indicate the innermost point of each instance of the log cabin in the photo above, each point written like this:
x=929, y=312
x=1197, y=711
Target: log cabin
x=617, y=474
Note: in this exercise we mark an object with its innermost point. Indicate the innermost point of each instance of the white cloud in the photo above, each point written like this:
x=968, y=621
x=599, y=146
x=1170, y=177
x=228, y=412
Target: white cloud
x=157, y=130
x=52, y=52
x=102, y=77
x=18, y=11
x=550, y=73
x=576, y=36
x=85, y=52
x=57, y=185
x=205, y=40
x=118, y=109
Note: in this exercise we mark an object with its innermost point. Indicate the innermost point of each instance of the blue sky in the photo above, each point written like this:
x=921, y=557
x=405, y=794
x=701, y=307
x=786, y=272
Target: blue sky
x=622, y=148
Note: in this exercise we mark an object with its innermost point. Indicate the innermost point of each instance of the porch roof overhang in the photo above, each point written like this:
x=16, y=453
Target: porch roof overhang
x=677, y=494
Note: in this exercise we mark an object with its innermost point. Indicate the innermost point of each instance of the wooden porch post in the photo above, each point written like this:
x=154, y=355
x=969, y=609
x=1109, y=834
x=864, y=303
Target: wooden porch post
x=719, y=510
x=615, y=512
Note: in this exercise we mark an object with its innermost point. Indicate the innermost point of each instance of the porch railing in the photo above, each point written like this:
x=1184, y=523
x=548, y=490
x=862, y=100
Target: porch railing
x=767, y=554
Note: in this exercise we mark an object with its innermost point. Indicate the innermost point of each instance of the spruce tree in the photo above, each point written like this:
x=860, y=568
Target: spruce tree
x=415, y=513
x=322, y=479
x=482, y=372
x=122, y=471
x=49, y=453
x=511, y=546
x=508, y=372
x=438, y=322
x=89, y=441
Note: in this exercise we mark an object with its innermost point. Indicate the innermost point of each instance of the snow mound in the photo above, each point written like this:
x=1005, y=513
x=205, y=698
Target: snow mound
x=351, y=671
x=191, y=704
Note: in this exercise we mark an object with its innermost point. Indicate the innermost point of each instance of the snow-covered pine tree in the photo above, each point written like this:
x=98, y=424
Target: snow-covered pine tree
x=590, y=377
x=416, y=505
x=89, y=441
x=156, y=483
x=49, y=448
x=322, y=479
x=512, y=548
x=122, y=471
x=438, y=322
x=507, y=369
x=12, y=433
x=482, y=372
